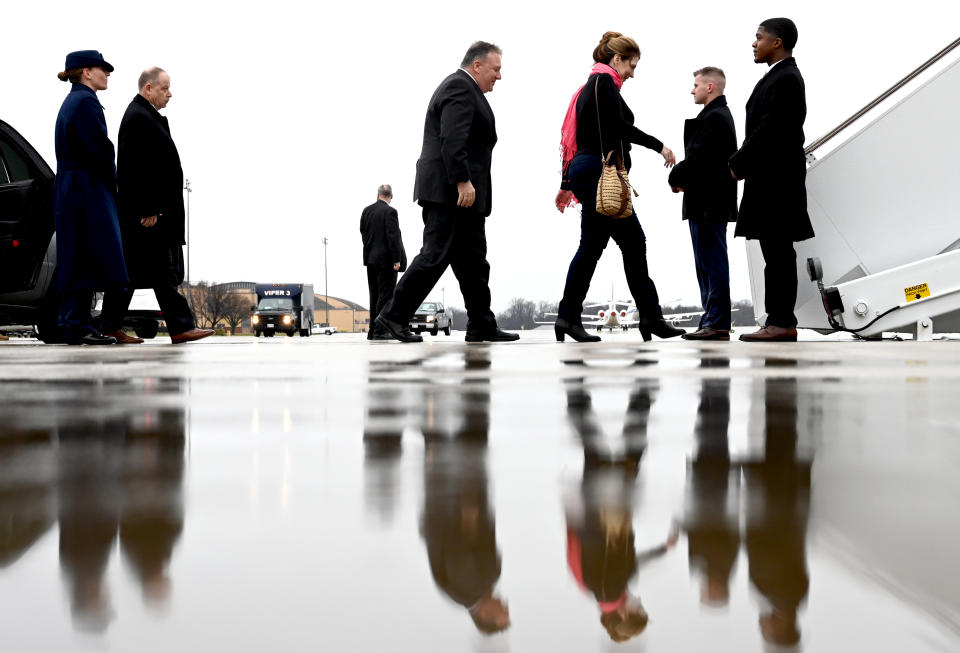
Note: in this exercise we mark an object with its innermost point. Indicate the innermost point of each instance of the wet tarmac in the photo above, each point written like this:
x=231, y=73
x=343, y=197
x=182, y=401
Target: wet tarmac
x=337, y=495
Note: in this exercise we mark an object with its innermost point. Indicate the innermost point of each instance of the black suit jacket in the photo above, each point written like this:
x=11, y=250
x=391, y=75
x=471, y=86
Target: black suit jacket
x=709, y=190
x=771, y=159
x=458, y=138
x=382, y=244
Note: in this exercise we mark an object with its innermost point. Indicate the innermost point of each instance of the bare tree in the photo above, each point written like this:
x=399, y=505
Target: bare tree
x=547, y=311
x=210, y=304
x=519, y=314
x=236, y=308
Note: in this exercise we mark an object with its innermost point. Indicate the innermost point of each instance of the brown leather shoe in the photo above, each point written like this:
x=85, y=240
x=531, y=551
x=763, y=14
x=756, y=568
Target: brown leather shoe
x=707, y=333
x=124, y=339
x=771, y=333
x=192, y=334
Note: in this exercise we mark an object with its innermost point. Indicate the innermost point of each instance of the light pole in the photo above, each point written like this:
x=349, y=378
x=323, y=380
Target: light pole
x=186, y=187
x=326, y=295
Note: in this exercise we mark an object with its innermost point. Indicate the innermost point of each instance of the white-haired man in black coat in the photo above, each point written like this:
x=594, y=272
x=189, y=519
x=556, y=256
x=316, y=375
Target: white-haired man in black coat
x=150, y=188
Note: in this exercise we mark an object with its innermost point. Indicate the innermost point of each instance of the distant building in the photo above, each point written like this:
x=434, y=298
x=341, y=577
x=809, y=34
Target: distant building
x=345, y=315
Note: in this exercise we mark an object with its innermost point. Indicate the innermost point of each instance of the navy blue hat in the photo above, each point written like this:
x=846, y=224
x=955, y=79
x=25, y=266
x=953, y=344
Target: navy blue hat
x=86, y=59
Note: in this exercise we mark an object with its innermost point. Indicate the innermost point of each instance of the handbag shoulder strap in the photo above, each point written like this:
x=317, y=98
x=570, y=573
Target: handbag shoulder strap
x=596, y=101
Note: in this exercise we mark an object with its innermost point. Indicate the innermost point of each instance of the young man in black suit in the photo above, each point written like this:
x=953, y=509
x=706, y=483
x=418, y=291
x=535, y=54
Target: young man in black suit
x=709, y=198
x=383, y=253
x=771, y=160
x=453, y=187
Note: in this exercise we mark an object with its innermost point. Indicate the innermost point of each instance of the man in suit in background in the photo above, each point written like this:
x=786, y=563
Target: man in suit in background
x=383, y=254
x=453, y=187
x=150, y=183
x=709, y=198
x=771, y=160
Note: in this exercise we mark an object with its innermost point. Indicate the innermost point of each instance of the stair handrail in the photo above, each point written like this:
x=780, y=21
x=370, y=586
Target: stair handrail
x=890, y=91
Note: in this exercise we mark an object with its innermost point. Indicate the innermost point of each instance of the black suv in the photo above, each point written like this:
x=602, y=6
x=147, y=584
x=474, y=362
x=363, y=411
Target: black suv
x=28, y=246
x=431, y=317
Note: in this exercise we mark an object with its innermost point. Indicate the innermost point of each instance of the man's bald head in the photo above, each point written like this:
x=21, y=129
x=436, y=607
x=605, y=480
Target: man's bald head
x=155, y=86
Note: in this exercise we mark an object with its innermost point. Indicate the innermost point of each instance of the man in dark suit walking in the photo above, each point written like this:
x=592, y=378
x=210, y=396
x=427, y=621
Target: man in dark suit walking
x=383, y=253
x=453, y=187
x=150, y=183
x=709, y=198
x=772, y=161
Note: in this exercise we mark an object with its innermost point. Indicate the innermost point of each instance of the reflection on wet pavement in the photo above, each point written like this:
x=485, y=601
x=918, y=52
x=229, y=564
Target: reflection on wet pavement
x=342, y=496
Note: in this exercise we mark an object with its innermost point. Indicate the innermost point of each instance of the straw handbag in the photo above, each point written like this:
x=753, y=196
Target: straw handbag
x=613, y=189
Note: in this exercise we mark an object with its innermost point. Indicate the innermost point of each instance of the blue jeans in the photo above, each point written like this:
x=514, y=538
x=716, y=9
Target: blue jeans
x=713, y=272
x=596, y=230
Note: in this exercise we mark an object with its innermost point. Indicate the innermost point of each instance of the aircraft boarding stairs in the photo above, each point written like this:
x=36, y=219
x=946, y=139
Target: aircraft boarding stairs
x=885, y=207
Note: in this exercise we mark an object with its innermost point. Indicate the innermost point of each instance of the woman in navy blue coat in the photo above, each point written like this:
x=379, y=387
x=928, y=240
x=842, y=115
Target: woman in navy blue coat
x=89, y=249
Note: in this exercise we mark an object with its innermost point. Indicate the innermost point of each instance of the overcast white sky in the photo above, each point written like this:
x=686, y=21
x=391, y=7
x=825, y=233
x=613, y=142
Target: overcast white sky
x=288, y=115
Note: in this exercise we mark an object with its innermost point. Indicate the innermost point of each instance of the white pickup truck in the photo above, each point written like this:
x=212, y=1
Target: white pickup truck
x=324, y=329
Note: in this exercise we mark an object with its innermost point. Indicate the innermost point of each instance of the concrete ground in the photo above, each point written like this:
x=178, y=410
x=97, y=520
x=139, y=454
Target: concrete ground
x=332, y=494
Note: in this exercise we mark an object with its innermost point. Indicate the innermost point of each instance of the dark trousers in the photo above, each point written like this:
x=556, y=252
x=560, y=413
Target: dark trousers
x=381, y=281
x=75, y=313
x=780, y=281
x=713, y=272
x=173, y=305
x=451, y=237
x=595, y=232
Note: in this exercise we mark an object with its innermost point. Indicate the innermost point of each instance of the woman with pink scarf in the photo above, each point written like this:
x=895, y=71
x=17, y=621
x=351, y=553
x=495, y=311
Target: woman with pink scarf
x=597, y=113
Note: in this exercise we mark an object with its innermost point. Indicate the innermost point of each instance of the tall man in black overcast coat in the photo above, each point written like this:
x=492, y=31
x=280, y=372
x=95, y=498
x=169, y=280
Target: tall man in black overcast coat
x=453, y=187
x=383, y=253
x=150, y=183
x=709, y=198
x=771, y=160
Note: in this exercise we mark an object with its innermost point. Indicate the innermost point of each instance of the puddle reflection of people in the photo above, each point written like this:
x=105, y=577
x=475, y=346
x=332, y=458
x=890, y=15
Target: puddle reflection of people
x=152, y=516
x=120, y=478
x=458, y=524
x=778, y=496
x=601, y=551
x=89, y=492
x=383, y=425
x=27, y=490
x=711, y=517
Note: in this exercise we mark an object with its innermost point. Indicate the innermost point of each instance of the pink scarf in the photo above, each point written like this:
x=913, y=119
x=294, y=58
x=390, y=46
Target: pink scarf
x=568, y=133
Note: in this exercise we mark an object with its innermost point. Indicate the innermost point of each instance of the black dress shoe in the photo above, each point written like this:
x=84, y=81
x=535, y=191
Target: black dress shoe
x=398, y=331
x=707, y=333
x=575, y=330
x=93, y=338
x=659, y=328
x=491, y=335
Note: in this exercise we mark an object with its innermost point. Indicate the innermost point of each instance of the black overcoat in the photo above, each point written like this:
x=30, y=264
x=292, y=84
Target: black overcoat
x=771, y=159
x=150, y=183
x=382, y=244
x=709, y=190
x=459, y=134
x=89, y=251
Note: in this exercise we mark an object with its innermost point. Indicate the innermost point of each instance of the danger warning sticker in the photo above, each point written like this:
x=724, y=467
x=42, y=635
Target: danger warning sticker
x=919, y=291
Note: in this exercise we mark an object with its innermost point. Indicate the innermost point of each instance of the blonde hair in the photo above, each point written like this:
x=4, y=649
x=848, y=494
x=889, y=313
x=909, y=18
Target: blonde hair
x=613, y=43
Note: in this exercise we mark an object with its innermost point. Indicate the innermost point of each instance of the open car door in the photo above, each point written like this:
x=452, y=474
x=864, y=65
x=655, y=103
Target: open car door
x=26, y=211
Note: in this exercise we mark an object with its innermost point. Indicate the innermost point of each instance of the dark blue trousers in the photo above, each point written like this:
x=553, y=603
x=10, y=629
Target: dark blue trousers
x=713, y=272
x=75, y=313
x=596, y=230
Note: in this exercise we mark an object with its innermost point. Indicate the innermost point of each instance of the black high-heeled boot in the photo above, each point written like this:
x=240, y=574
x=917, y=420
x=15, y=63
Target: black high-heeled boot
x=574, y=330
x=659, y=328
